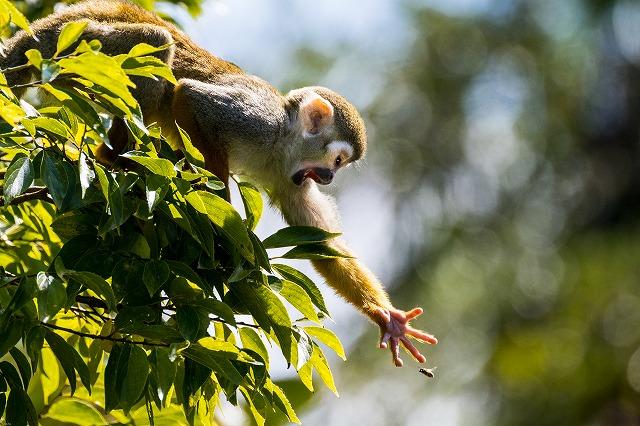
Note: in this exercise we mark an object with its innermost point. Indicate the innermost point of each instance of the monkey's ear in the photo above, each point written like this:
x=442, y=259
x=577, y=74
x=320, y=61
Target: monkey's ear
x=316, y=114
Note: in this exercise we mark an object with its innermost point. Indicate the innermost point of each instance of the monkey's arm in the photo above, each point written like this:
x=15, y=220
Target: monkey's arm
x=351, y=278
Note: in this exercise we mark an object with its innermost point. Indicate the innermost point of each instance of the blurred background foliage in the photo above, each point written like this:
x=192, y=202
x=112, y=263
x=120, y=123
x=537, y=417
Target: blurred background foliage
x=505, y=167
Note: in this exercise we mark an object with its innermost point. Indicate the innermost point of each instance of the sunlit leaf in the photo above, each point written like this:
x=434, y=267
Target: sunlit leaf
x=327, y=337
x=69, y=34
x=315, y=251
x=18, y=178
x=225, y=217
x=297, y=235
x=303, y=281
x=75, y=411
x=252, y=201
x=159, y=166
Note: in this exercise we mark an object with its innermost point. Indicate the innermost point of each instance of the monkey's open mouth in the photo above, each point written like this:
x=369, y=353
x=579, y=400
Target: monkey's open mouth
x=319, y=174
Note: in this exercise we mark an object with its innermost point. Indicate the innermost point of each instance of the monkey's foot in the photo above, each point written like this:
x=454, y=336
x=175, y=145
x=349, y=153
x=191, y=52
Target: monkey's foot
x=395, y=329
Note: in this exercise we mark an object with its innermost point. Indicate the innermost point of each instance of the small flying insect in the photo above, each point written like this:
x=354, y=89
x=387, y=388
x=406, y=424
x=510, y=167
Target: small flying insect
x=429, y=372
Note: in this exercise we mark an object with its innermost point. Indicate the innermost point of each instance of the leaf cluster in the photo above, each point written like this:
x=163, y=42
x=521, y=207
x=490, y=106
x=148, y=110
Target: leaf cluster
x=128, y=290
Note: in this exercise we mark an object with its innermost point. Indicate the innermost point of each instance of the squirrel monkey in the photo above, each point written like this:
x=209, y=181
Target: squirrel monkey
x=287, y=143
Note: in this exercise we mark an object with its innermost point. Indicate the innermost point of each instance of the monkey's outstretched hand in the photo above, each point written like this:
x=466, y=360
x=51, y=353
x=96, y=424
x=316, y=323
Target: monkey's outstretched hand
x=395, y=329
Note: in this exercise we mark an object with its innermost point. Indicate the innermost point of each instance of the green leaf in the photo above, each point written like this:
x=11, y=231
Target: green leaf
x=74, y=223
x=51, y=296
x=20, y=409
x=269, y=312
x=252, y=340
x=212, y=359
x=49, y=70
x=33, y=344
x=60, y=178
x=144, y=49
x=114, y=374
x=305, y=373
x=165, y=371
x=327, y=337
x=158, y=166
x=102, y=70
x=51, y=125
x=188, y=322
x=156, y=273
x=183, y=270
x=322, y=367
x=156, y=187
x=34, y=56
x=298, y=298
x=252, y=201
x=317, y=251
x=148, y=66
x=297, y=235
x=262, y=258
x=190, y=152
x=9, y=111
x=67, y=356
x=95, y=283
x=225, y=217
x=23, y=365
x=218, y=308
x=11, y=334
x=18, y=177
x=69, y=34
x=303, y=281
x=135, y=380
x=282, y=402
x=14, y=15
x=74, y=411
x=103, y=179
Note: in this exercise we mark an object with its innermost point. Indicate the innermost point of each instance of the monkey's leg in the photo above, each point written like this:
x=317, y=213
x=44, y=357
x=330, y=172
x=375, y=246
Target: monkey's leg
x=210, y=145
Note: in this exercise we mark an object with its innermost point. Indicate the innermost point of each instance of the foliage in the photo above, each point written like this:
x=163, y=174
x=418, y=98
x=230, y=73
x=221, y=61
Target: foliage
x=120, y=288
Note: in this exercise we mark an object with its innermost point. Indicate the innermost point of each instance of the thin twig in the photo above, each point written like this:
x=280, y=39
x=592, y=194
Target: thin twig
x=99, y=337
x=17, y=68
x=218, y=319
x=36, y=193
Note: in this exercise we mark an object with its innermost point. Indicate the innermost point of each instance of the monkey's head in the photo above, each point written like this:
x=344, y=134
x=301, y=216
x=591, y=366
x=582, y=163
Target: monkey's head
x=328, y=134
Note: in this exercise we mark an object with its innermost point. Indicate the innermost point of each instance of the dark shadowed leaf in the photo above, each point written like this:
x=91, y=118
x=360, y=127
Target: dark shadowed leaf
x=156, y=273
x=188, y=322
x=135, y=380
x=70, y=360
x=95, y=283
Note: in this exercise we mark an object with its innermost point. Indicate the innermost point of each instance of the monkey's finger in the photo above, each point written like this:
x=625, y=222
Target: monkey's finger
x=384, y=339
x=395, y=351
x=384, y=314
x=421, y=335
x=412, y=349
x=414, y=313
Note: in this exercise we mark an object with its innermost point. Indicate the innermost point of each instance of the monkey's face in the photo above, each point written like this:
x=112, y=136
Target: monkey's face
x=319, y=155
x=332, y=156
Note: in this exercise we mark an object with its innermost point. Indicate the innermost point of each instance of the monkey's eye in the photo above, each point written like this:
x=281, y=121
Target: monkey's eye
x=338, y=161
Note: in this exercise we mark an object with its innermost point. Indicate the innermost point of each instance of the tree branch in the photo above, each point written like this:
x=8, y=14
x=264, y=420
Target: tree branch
x=36, y=193
x=98, y=337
